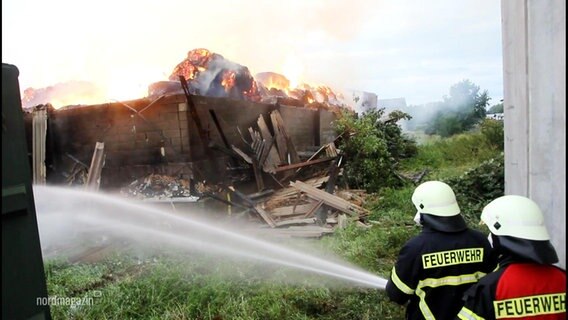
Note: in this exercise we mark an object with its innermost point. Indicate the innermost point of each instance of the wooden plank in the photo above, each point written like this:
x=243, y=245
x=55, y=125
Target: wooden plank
x=290, y=211
x=263, y=214
x=257, y=175
x=39, y=134
x=314, y=182
x=302, y=164
x=295, y=221
x=314, y=209
x=278, y=122
x=97, y=162
x=330, y=200
x=280, y=137
x=342, y=221
x=270, y=159
x=242, y=154
x=273, y=160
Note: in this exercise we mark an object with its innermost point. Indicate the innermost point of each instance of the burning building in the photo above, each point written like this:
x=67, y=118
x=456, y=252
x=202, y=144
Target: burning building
x=225, y=115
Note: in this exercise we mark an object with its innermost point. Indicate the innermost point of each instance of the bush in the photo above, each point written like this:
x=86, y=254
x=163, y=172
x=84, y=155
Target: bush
x=493, y=131
x=478, y=186
x=372, y=147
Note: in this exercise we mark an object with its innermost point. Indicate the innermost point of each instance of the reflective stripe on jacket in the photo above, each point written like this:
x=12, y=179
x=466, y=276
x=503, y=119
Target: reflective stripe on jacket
x=434, y=269
x=518, y=291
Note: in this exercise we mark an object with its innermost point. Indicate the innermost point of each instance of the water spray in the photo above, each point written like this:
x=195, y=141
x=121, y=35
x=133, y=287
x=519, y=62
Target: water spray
x=63, y=211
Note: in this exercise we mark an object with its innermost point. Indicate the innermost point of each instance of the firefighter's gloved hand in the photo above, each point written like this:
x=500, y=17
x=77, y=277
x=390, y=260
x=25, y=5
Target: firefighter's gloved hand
x=417, y=219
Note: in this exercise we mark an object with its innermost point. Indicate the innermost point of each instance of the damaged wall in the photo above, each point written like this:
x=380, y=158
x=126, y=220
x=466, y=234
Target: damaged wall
x=134, y=133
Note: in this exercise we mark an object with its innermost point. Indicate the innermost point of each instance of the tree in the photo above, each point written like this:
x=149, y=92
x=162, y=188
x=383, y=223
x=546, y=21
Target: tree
x=496, y=108
x=461, y=110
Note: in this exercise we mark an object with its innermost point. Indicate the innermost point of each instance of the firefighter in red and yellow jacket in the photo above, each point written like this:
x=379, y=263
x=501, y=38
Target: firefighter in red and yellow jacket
x=436, y=267
x=526, y=285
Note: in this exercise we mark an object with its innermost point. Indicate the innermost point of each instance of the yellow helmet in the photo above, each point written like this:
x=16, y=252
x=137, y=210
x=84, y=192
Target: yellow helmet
x=436, y=203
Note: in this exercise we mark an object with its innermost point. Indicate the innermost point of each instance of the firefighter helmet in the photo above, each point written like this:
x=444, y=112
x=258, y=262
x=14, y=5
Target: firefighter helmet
x=518, y=224
x=436, y=203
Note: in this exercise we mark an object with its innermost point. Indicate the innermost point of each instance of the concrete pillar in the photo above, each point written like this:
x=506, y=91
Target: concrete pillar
x=534, y=62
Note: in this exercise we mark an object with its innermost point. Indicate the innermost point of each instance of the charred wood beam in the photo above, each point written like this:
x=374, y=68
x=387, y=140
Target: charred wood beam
x=248, y=202
x=222, y=134
x=269, y=158
x=257, y=175
x=202, y=133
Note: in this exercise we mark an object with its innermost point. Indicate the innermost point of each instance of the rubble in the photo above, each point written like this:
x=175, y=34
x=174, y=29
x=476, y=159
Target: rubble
x=157, y=186
x=301, y=209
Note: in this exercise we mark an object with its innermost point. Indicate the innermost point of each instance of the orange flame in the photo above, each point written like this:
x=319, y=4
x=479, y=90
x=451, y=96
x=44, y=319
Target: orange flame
x=228, y=81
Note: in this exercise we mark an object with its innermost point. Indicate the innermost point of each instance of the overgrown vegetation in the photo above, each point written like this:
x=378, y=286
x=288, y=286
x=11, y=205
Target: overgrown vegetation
x=476, y=187
x=494, y=133
x=373, y=145
x=196, y=287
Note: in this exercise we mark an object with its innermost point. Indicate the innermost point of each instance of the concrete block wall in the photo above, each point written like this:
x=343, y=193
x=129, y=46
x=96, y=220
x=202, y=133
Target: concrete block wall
x=299, y=125
x=134, y=141
x=327, y=131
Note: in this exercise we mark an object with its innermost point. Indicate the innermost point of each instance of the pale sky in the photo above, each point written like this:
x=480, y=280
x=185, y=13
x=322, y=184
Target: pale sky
x=395, y=48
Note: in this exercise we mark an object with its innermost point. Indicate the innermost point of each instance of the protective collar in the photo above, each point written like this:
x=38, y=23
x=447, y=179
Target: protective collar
x=445, y=224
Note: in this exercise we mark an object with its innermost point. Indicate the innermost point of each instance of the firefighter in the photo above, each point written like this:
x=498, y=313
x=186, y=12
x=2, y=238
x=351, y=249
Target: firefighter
x=436, y=267
x=526, y=284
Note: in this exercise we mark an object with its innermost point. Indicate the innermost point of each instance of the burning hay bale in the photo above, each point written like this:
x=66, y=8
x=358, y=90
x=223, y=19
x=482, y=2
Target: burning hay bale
x=210, y=74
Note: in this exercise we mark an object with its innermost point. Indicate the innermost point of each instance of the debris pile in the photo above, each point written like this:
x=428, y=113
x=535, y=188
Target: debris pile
x=157, y=186
x=297, y=193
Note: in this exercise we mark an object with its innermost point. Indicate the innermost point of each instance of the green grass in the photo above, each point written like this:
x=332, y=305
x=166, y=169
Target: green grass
x=198, y=287
x=453, y=155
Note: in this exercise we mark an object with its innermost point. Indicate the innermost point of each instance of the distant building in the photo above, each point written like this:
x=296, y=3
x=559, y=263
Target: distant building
x=392, y=104
x=363, y=101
